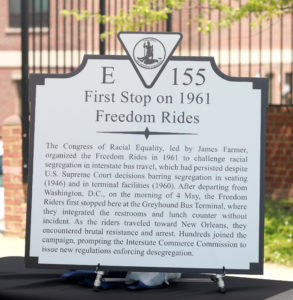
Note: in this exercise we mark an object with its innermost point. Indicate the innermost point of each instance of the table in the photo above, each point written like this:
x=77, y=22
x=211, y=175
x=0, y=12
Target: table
x=18, y=282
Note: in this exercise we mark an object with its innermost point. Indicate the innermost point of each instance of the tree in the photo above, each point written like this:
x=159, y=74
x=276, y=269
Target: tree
x=150, y=12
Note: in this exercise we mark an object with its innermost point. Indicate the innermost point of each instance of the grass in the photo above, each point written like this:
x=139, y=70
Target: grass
x=278, y=239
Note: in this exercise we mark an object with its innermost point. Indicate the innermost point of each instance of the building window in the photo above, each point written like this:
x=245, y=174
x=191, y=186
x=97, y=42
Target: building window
x=38, y=13
x=287, y=90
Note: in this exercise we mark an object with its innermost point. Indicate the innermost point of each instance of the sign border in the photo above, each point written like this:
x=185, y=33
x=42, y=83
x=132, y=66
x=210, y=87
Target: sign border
x=258, y=83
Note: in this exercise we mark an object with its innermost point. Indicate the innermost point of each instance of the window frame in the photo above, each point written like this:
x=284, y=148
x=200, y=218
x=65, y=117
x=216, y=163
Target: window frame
x=36, y=19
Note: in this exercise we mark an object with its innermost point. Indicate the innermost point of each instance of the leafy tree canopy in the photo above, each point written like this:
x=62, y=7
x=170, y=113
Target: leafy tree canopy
x=150, y=12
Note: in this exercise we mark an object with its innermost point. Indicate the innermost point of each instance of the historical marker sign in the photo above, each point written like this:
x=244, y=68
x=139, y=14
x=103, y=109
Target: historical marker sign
x=147, y=161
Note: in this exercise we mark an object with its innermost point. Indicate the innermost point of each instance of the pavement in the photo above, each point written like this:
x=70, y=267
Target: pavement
x=11, y=246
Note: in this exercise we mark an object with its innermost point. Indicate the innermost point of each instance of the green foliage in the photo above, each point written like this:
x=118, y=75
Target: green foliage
x=141, y=13
x=150, y=12
x=279, y=232
x=259, y=10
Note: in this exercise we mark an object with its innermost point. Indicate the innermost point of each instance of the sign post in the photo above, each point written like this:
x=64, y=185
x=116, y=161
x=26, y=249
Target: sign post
x=147, y=162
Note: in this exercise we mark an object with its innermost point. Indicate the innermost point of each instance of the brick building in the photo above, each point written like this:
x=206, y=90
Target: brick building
x=10, y=64
x=57, y=45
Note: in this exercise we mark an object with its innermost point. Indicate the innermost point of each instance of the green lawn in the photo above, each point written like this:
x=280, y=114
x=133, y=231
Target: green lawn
x=279, y=232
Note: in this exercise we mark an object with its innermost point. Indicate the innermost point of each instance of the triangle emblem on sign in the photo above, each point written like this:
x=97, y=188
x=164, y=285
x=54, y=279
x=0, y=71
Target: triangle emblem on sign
x=149, y=52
